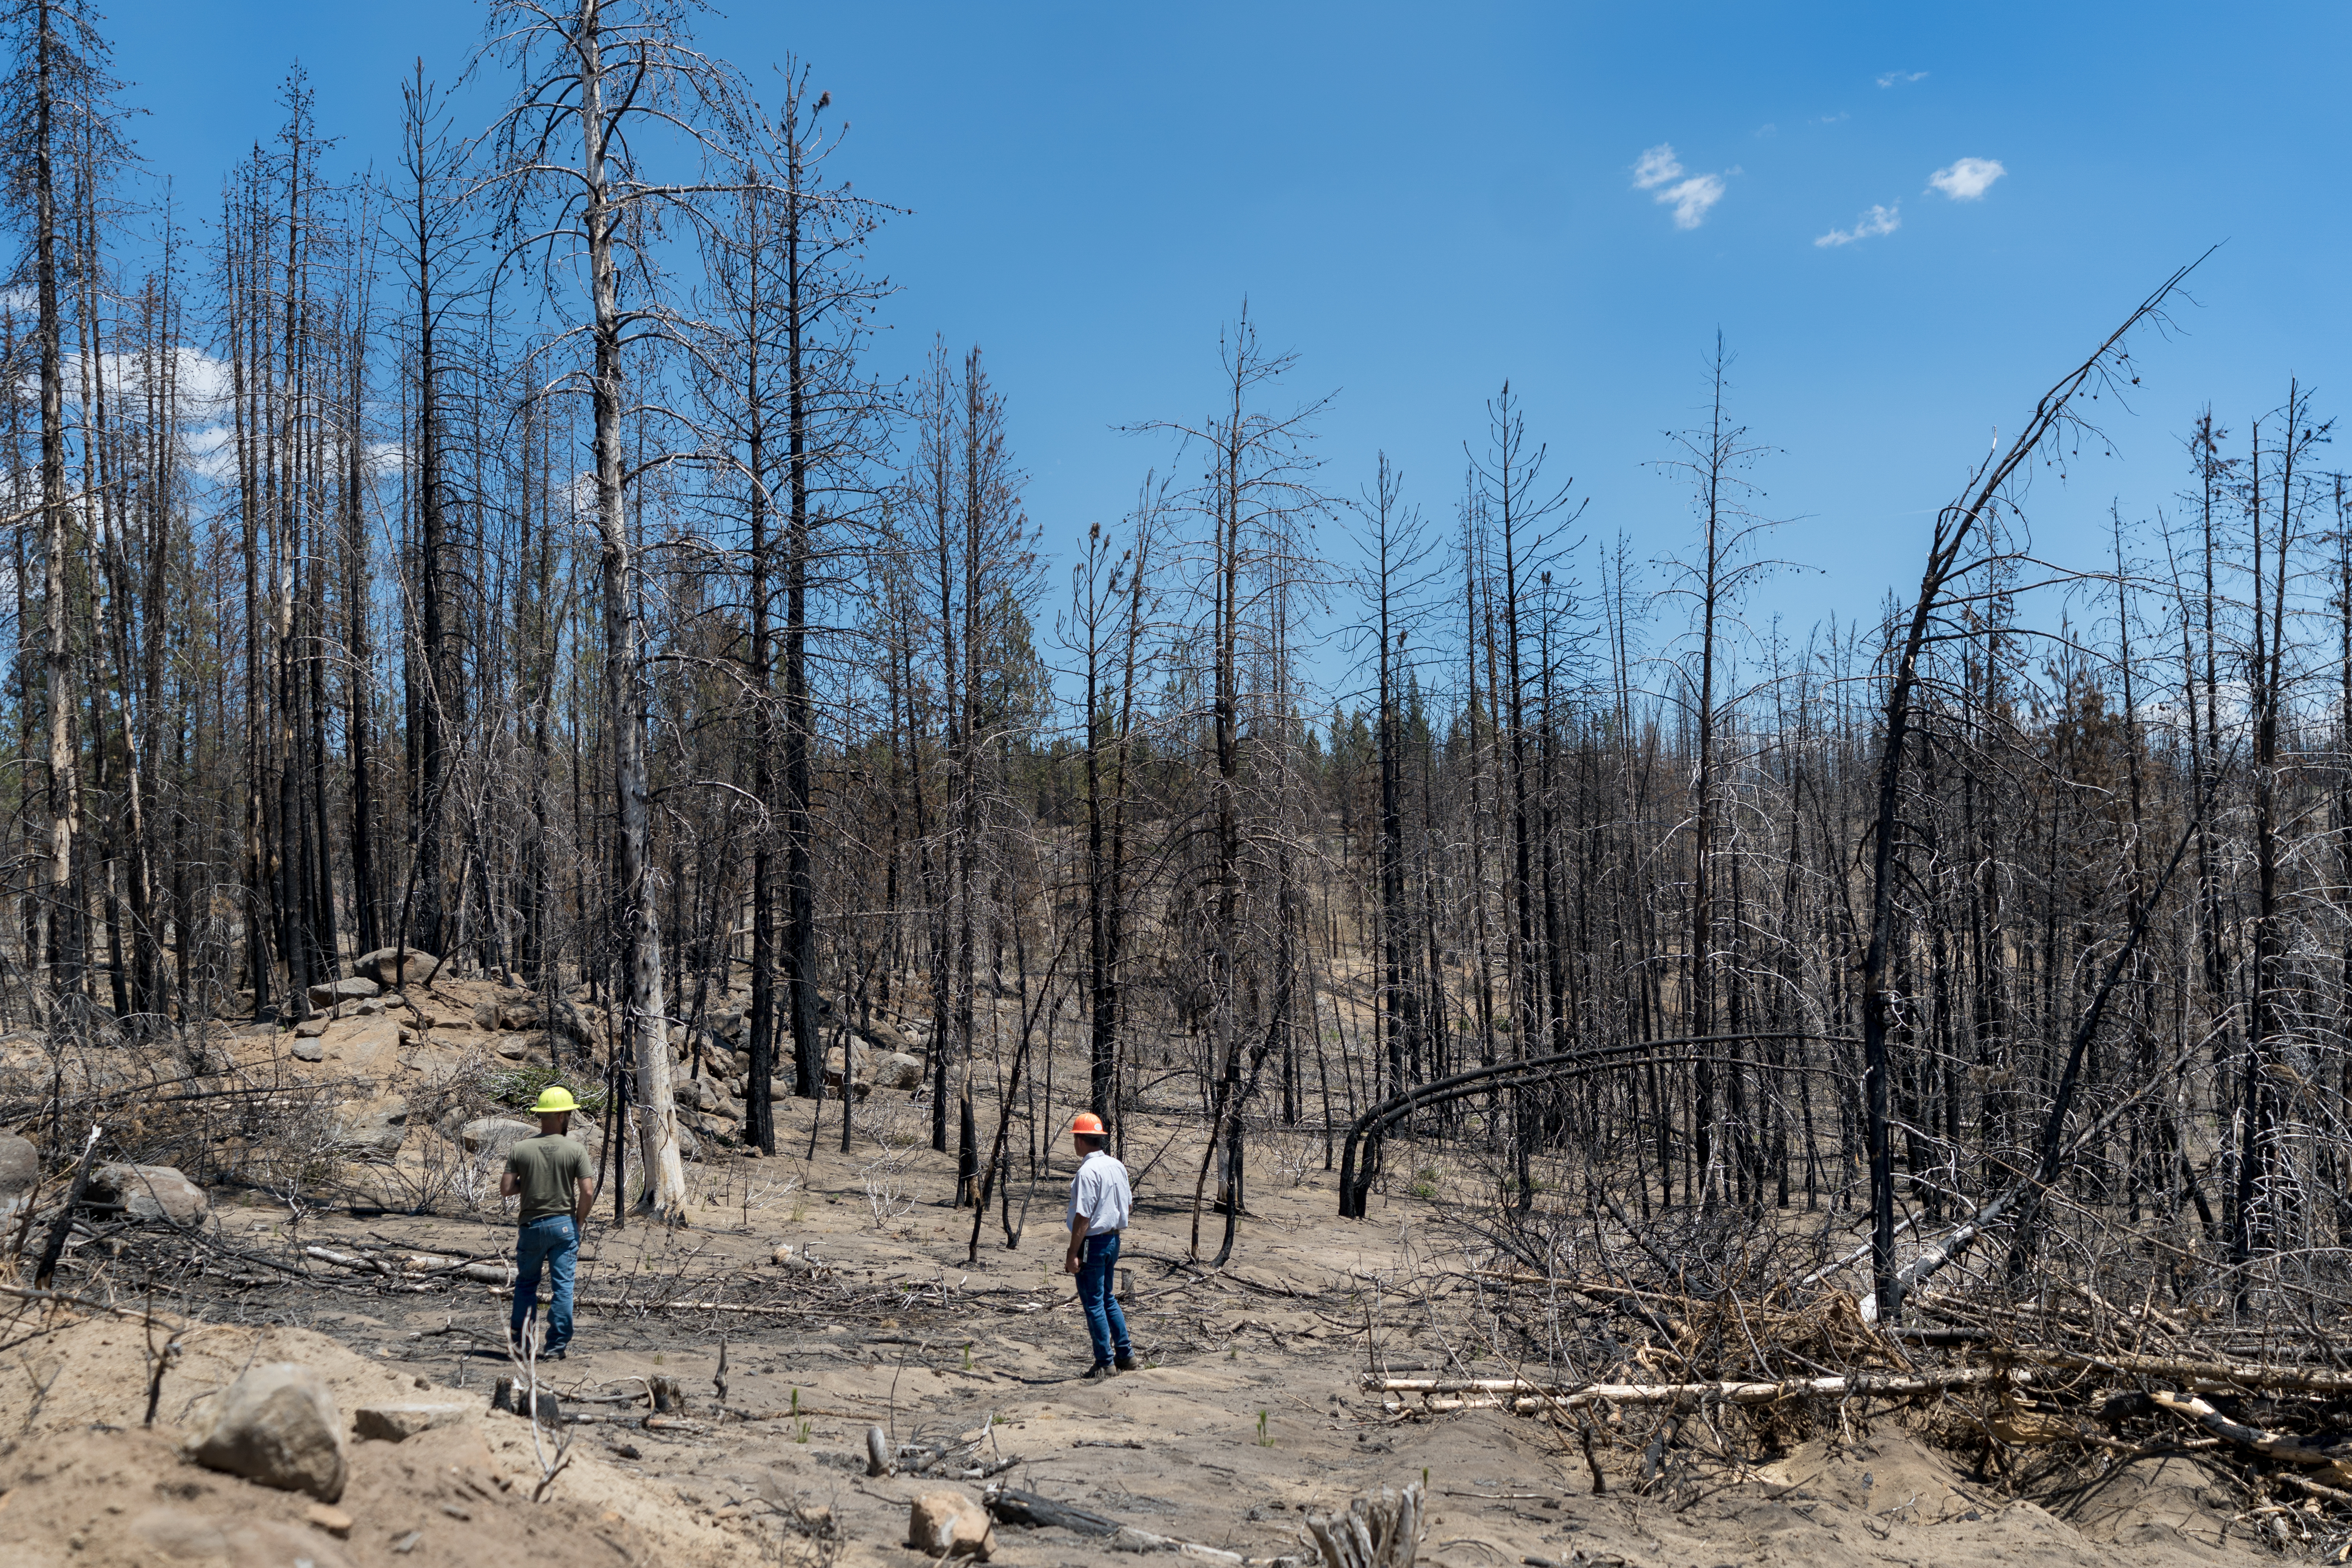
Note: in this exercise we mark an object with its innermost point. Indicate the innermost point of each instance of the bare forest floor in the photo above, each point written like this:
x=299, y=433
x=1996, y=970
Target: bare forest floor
x=855, y=1306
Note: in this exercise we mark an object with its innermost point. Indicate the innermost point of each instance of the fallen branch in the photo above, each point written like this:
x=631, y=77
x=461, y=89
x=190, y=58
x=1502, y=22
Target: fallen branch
x=2220, y=1374
x=643, y=1304
x=162, y=1320
x=420, y=1263
x=1578, y=1396
x=2284, y=1447
x=1010, y=1505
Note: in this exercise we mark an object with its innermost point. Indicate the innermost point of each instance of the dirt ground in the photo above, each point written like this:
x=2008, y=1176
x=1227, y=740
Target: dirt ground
x=1249, y=1412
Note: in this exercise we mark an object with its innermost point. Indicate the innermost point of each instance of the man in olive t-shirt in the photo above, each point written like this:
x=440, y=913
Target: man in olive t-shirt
x=551, y=1175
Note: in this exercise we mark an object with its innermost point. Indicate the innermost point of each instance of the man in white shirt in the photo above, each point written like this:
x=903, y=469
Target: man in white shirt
x=1100, y=1202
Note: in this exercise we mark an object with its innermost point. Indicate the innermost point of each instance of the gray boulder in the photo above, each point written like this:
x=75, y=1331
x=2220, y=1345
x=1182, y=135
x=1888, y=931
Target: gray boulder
x=380, y=966
x=705, y=1094
x=883, y=1035
x=149, y=1193
x=20, y=1173
x=494, y=1135
x=277, y=1425
x=373, y=1130
x=519, y=1047
x=309, y=1049
x=896, y=1069
x=396, y=1423
x=327, y=993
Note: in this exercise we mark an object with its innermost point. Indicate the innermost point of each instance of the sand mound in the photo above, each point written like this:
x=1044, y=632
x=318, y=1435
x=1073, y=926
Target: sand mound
x=86, y=1484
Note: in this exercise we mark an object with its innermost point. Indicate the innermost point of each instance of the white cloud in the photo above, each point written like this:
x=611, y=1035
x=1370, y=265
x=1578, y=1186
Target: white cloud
x=1969, y=179
x=1897, y=79
x=1656, y=166
x=210, y=453
x=1690, y=197
x=1878, y=220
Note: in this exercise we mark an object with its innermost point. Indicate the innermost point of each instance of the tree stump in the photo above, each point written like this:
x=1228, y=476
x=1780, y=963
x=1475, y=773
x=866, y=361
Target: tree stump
x=1379, y=1530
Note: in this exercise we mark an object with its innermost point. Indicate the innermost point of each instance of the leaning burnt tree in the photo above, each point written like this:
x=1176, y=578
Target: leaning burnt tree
x=1966, y=535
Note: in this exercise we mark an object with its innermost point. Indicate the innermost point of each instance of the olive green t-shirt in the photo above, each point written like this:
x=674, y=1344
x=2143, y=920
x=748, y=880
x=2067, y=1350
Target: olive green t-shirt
x=545, y=1167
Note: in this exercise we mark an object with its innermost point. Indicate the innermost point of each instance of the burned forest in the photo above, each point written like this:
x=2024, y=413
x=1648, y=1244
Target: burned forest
x=1610, y=1072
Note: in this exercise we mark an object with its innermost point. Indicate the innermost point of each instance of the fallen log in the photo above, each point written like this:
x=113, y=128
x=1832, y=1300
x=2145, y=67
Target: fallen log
x=653, y=1304
x=424, y=1263
x=1578, y=1395
x=2284, y=1447
x=1030, y=1511
x=2220, y=1374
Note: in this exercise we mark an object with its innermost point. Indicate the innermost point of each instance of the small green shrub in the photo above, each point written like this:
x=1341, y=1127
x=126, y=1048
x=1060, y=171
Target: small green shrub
x=520, y=1085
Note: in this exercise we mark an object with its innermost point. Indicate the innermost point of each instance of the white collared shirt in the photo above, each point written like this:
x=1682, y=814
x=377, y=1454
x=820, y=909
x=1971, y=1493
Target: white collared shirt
x=1099, y=1191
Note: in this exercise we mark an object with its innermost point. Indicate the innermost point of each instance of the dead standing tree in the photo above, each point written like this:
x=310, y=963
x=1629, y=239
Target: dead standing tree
x=1258, y=498
x=1711, y=582
x=59, y=136
x=599, y=88
x=793, y=417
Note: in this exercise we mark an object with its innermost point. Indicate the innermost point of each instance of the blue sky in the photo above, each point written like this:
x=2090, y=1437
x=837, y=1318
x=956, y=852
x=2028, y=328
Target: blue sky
x=1421, y=201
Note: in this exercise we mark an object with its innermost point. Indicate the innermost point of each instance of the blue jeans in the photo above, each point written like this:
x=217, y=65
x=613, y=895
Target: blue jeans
x=1106, y=1324
x=555, y=1242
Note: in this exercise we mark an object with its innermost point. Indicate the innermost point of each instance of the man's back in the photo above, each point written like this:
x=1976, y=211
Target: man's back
x=1100, y=1193
x=545, y=1168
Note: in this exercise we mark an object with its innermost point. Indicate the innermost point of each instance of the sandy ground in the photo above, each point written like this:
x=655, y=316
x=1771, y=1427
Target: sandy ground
x=1249, y=1414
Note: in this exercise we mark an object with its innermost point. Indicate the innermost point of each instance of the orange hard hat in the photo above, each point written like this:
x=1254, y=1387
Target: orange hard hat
x=1087, y=1122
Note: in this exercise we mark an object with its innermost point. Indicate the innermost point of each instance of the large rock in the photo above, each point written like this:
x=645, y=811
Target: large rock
x=277, y=1425
x=149, y=1193
x=519, y=1047
x=949, y=1524
x=398, y=1422
x=370, y=1047
x=494, y=1135
x=884, y=1034
x=375, y=1130
x=327, y=993
x=309, y=1049
x=418, y=970
x=705, y=1094
x=20, y=1173
x=894, y=1070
